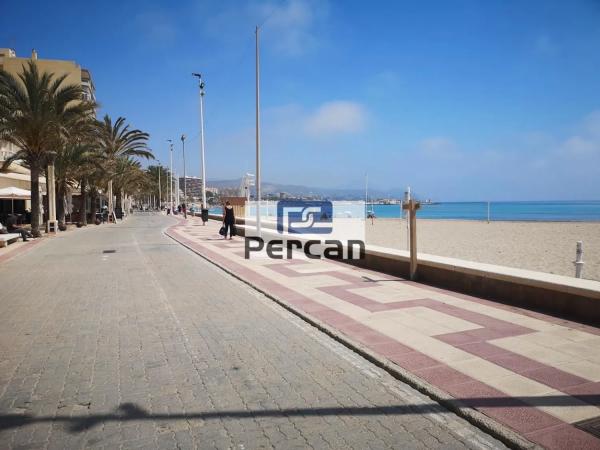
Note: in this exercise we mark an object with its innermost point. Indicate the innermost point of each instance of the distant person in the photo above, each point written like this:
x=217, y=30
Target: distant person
x=168, y=211
x=179, y=209
x=228, y=220
x=11, y=227
x=204, y=214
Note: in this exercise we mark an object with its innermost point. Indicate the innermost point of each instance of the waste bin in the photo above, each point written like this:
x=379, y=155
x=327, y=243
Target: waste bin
x=204, y=215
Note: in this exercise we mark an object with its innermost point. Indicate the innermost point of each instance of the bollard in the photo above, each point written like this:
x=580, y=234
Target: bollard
x=579, y=259
x=412, y=206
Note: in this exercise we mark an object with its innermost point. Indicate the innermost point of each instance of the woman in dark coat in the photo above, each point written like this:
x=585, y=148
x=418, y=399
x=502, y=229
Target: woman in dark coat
x=228, y=220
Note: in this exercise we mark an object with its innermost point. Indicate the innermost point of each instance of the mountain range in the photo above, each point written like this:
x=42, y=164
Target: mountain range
x=299, y=190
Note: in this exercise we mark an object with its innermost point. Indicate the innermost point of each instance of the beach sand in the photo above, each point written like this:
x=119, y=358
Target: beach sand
x=541, y=246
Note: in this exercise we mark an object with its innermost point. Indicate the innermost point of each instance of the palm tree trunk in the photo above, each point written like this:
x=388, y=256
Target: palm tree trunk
x=35, y=201
x=93, y=206
x=83, y=207
x=119, y=206
x=110, y=198
x=60, y=202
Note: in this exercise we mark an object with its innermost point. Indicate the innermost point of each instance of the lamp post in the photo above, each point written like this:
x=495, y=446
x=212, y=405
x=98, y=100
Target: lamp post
x=203, y=168
x=171, y=176
x=184, y=178
x=159, y=188
x=258, y=179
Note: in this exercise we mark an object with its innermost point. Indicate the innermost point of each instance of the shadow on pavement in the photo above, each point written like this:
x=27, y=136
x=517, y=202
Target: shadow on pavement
x=131, y=411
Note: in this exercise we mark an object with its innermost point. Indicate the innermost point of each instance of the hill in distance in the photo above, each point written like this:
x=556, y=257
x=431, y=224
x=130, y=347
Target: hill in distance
x=299, y=190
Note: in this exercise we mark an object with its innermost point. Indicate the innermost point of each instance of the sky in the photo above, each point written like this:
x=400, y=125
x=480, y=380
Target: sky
x=461, y=100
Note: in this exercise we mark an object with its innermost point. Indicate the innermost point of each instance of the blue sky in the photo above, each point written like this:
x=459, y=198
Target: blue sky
x=463, y=100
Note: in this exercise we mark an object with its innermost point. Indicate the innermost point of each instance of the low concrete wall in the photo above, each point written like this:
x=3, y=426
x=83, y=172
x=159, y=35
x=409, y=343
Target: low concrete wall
x=564, y=297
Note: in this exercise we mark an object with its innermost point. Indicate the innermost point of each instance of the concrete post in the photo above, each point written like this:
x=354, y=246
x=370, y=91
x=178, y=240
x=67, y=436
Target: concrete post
x=110, y=199
x=579, y=260
x=412, y=206
x=52, y=226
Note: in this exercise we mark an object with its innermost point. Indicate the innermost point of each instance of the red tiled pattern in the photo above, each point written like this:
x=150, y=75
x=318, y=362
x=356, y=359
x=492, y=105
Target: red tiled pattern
x=532, y=422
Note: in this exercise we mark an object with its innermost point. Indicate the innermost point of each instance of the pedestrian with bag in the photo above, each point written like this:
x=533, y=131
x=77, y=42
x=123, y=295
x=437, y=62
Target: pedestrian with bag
x=228, y=221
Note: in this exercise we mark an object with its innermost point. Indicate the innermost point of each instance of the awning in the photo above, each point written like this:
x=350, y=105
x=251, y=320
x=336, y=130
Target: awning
x=15, y=193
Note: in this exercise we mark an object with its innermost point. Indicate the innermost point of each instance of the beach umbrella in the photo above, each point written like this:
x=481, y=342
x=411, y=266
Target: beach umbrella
x=15, y=193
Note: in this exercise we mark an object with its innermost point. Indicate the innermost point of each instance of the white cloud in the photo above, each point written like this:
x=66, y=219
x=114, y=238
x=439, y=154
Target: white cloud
x=290, y=26
x=336, y=117
x=157, y=26
x=587, y=142
x=293, y=23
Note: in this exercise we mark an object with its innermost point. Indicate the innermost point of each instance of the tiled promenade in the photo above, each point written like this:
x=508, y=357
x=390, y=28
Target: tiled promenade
x=117, y=337
x=533, y=373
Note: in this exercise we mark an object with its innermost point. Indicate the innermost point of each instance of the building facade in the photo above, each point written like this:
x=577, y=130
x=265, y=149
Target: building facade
x=18, y=176
x=13, y=64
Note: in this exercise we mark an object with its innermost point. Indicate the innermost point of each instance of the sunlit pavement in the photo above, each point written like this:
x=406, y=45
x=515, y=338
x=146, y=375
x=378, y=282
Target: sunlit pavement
x=118, y=337
x=535, y=374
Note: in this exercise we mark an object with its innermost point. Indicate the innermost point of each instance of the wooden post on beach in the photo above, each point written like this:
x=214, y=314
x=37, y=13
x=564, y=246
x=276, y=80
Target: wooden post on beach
x=411, y=206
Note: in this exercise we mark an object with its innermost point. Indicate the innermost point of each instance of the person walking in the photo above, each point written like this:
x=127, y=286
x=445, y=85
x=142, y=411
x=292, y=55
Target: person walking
x=228, y=220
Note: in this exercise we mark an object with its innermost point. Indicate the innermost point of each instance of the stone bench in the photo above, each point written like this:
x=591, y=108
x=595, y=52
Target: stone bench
x=6, y=239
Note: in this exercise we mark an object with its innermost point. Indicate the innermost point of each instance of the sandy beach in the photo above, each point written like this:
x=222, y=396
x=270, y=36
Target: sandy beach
x=541, y=246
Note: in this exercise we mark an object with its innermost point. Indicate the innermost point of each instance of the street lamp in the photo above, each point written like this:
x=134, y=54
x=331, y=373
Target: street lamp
x=184, y=178
x=204, y=205
x=159, y=190
x=171, y=175
x=258, y=177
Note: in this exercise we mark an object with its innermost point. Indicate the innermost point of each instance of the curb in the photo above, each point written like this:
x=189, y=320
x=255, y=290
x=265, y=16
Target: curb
x=490, y=426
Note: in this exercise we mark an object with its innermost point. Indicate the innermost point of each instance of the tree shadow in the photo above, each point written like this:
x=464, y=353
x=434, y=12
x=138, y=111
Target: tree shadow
x=132, y=412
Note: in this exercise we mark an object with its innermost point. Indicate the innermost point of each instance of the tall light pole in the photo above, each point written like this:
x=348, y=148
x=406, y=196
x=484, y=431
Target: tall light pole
x=177, y=188
x=171, y=175
x=257, y=136
x=203, y=168
x=184, y=178
x=159, y=188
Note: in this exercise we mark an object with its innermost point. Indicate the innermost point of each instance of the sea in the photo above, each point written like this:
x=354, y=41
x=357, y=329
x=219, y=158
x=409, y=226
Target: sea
x=543, y=211
x=547, y=211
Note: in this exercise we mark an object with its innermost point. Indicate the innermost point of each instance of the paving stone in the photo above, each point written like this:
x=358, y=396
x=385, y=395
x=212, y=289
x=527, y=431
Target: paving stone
x=153, y=347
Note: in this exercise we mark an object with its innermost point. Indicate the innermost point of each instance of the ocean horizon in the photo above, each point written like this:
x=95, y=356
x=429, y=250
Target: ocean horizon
x=528, y=211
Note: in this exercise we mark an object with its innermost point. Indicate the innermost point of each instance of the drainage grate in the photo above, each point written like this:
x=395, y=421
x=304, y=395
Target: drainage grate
x=592, y=426
x=109, y=251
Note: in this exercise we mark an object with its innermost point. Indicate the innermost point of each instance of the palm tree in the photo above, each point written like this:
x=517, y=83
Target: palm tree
x=158, y=174
x=128, y=177
x=117, y=141
x=36, y=110
x=73, y=162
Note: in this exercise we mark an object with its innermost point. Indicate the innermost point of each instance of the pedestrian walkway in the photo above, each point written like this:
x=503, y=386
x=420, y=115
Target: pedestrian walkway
x=17, y=248
x=536, y=374
x=118, y=337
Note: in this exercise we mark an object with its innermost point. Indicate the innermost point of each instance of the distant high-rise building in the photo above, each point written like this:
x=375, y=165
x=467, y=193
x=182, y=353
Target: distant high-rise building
x=193, y=185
